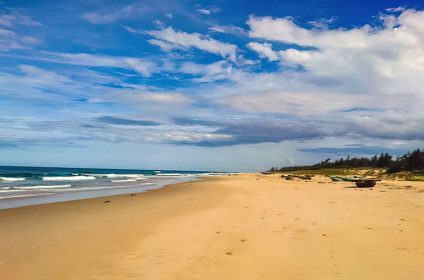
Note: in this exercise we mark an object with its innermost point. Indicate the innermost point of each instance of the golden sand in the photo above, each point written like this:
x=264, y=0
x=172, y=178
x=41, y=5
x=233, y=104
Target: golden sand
x=234, y=227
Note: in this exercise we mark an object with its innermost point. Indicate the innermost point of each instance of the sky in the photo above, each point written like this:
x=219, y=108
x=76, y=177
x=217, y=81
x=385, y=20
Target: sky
x=208, y=85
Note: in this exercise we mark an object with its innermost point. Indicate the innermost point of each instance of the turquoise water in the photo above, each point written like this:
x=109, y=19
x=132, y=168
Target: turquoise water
x=22, y=186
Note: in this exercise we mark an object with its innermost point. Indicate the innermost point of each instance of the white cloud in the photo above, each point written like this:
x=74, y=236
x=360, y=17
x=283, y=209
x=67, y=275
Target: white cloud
x=397, y=9
x=7, y=20
x=387, y=59
x=343, y=83
x=37, y=76
x=158, y=23
x=164, y=98
x=204, y=11
x=9, y=40
x=109, y=16
x=169, y=38
x=322, y=23
x=230, y=29
x=209, y=10
x=355, y=82
x=15, y=18
x=217, y=28
x=264, y=50
x=286, y=31
x=142, y=66
x=221, y=70
x=130, y=29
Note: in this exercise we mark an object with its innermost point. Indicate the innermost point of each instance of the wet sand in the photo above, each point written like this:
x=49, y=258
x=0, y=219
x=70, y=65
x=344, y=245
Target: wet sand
x=234, y=227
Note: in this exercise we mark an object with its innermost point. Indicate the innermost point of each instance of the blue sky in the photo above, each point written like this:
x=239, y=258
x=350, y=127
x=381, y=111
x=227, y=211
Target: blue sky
x=212, y=85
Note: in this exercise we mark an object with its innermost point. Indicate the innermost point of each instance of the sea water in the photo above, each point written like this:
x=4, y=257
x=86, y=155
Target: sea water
x=22, y=186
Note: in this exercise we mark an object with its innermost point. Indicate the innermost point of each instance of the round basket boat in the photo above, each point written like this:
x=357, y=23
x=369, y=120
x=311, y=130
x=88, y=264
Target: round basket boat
x=365, y=183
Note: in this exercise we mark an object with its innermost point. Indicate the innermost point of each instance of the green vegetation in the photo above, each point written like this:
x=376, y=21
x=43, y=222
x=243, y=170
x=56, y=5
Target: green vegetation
x=412, y=161
x=414, y=177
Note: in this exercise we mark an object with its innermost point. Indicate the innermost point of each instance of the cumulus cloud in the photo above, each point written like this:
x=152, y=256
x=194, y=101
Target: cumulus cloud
x=169, y=39
x=355, y=83
x=372, y=61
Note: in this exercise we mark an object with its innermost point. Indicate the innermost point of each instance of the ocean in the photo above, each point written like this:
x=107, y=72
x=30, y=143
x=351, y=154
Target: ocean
x=23, y=186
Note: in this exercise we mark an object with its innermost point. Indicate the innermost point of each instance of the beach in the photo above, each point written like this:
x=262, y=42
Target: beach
x=245, y=226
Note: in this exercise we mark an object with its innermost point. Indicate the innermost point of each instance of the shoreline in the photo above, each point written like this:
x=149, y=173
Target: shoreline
x=78, y=194
x=249, y=226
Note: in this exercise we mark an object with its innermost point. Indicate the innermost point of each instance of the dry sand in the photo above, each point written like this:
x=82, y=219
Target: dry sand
x=233, y=227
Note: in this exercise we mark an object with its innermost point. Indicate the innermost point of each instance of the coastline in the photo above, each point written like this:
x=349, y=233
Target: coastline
x=248, y=226
x=87, y=193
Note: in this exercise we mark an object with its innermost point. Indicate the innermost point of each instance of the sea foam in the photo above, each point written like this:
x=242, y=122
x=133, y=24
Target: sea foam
x=45, y=187
x=132, y=176
x=11, y=179
x=173, y=175
x=69, y=178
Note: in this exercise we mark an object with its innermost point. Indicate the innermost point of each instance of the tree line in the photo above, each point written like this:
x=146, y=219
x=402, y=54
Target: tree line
x=411, y=161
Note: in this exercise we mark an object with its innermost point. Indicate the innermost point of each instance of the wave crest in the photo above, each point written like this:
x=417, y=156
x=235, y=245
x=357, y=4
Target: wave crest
x=68, y=178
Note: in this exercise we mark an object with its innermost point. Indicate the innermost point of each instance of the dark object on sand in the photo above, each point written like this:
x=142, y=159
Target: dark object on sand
x=360, y=182
x=366, y=183
x=267, y=173
x=107, y=201
x=289, y=178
